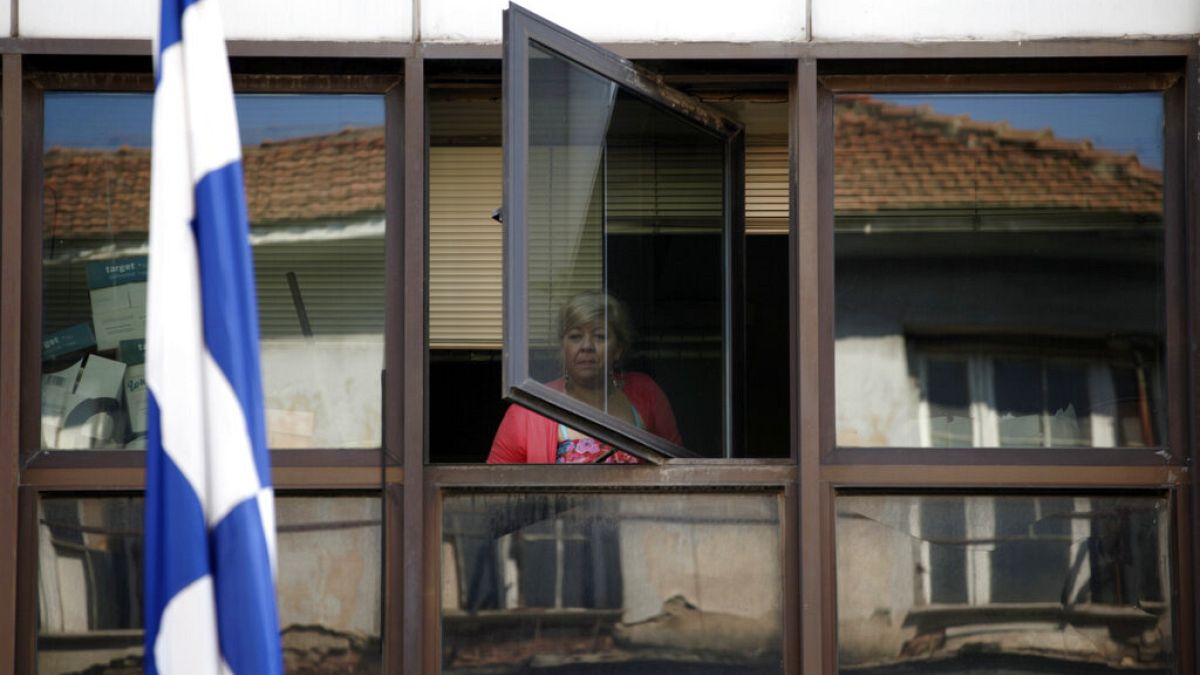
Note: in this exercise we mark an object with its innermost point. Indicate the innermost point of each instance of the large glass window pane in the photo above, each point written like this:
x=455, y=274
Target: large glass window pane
x=680, y=583
x=1003, y=248
x=1015, y=584
x=314, y=169
x=90, y=584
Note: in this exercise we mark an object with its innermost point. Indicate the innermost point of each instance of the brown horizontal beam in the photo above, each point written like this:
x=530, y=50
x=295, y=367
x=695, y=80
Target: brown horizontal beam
x=695, y=475
x=1044, y=49
x=1033, y=457
x=320, y=49
x=1041, y=49
x=120, y=459
x=1003, y=83
x=91, y=479
x=242, y=82
x=1003, y=477
x=236, y=48
x=104, y=479
x=1023, y=49
x=285, y=478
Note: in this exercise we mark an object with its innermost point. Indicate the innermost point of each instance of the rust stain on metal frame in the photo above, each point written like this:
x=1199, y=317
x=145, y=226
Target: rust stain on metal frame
x=679, y=101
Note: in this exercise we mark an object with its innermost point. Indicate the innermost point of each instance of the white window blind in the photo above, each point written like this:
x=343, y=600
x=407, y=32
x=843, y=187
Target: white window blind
x=465, y=187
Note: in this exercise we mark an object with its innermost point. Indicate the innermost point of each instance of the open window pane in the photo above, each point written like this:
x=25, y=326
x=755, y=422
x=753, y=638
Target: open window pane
x=314, y=170
x=620, y=219
x=1021, y=584
x=999, y=270
x=576, y=582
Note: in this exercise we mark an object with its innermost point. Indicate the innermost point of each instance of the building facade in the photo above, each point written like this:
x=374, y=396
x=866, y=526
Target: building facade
x=919, y=282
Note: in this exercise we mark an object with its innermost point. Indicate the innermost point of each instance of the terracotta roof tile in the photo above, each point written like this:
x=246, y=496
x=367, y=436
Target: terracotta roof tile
x=895, y=157
x=888, y=157
x=338, y=175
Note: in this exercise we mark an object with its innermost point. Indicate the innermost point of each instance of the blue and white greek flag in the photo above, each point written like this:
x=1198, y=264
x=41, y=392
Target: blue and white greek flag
x=210, y=519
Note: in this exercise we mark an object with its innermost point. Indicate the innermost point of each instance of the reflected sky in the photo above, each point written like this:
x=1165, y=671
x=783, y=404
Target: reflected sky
x=109, y=120
x=1121, y=122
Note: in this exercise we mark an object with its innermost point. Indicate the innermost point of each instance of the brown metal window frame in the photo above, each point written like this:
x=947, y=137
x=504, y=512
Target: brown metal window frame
x=328, y=471
x=28, y=534
x=691, y=477
x=1169, y=83
x=469, y=73
x=809, y=484
x=828, y=470
x=1090, y=484
x=411, y=508
x=425, y=490
x=249, y=78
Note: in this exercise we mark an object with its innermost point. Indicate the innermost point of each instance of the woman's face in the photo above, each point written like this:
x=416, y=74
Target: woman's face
x=588, y=353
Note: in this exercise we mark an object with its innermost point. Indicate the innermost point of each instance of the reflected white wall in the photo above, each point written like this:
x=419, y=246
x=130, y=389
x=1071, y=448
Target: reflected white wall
x=329, y=572
x=720, y=552
x=877, y=398
x=323, y=393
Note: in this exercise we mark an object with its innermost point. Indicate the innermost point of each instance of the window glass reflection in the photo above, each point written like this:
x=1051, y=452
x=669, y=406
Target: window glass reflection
x=634, y=582
x=1013, y=584
x=999, y=270
x=90, y=585
x=314, y=168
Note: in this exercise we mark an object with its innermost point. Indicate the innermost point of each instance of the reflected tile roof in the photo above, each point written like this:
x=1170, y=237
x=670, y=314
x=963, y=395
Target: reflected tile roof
x=324, y=177
x=891, y=157
x=888, y=158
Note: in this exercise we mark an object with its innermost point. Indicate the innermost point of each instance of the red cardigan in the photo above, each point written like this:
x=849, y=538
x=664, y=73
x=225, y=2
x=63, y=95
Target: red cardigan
x=525, y=437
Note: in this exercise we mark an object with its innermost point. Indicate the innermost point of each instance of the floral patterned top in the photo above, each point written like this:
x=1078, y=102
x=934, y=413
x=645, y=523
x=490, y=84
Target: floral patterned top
x=587, y=450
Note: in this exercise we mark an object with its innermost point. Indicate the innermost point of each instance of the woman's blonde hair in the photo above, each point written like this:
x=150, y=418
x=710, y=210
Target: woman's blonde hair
x=590, y=306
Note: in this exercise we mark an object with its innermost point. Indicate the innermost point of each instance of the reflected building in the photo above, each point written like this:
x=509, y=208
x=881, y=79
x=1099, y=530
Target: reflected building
x=90, y=585
x=636, y=583
x=316, y=208
x=995, y=287
x=316, y=203
x=1012, y=584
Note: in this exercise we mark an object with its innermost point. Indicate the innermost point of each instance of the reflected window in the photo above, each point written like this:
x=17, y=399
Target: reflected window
x=1014, y=584
x=90, y=578
x=89, y=584
x=674, y=582
x=999, y=270
x=314, y=171
x=1025, y=398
